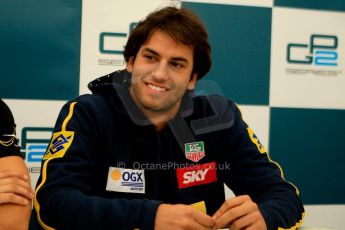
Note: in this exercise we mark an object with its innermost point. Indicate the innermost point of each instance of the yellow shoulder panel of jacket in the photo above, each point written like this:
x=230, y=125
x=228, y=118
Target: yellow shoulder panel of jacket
x=62, y=140
x=297, y=226
x=256, y=141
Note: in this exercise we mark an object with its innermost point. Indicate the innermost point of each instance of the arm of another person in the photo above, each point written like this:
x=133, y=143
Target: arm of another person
x=15, y=194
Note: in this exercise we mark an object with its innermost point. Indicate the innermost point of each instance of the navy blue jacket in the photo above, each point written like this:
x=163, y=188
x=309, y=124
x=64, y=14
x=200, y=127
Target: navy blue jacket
x=8, y=141
x=82, y=186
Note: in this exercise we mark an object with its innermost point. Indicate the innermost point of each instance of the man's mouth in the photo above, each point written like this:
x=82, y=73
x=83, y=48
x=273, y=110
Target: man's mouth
x=157, y=88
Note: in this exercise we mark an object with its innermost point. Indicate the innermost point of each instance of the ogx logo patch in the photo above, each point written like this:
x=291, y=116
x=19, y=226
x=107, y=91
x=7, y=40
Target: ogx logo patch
x=126, y=180
x=196, y=175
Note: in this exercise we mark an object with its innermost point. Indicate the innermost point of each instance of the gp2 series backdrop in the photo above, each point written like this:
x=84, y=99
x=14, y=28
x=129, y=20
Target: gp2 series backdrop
x=282, y=62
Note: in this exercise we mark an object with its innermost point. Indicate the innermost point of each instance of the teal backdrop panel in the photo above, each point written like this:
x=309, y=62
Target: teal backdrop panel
x=40, y=49
x=309, y=144
x=336, y=5
x=241, y=39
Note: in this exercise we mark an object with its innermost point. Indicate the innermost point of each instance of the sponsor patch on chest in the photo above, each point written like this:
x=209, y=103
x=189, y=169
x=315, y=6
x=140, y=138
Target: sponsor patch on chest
x=126, y=180
x=194, y=151
x=196, y=175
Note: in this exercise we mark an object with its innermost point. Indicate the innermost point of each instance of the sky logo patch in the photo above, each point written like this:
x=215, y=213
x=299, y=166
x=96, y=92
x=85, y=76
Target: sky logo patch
x=196, y=175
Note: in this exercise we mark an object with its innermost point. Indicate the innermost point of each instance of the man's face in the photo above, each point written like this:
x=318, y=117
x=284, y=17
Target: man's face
x=161, y=74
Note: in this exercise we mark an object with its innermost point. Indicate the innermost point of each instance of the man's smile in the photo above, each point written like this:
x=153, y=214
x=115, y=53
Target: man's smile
x=156, y=87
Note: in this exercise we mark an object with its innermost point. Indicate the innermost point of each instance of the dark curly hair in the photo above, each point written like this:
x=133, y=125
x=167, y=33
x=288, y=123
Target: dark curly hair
x=183, y=25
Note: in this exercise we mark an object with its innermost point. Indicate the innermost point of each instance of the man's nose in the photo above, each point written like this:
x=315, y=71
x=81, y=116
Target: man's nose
x=160, y=73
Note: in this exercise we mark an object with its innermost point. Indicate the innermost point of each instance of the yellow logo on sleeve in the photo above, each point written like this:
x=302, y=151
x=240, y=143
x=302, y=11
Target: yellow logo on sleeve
x=61, y=141
x=256, y=141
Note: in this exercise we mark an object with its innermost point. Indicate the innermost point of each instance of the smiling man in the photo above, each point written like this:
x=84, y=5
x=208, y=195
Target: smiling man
x=161, y=74
x=143, y=152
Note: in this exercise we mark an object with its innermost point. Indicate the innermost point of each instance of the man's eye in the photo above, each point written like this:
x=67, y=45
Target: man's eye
x=177, y=65
x=149, y=57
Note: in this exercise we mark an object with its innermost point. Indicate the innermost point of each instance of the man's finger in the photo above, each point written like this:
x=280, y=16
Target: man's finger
x=15, y=180
x=197, y=225
x=18, y=190
x=229, y=204
x=10, y=198
x=230, y=216
x=242, y=223
x=12, y=173
x=244, y=207
x=203, y=219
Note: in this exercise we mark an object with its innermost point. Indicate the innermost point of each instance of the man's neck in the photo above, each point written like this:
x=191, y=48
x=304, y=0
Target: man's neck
x=158, y=118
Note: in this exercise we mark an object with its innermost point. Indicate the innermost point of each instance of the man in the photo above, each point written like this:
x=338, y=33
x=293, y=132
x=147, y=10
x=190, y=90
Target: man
x=143, y=152
x=15, y=188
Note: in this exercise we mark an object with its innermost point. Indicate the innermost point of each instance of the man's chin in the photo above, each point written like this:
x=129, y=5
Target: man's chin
x=153, y=108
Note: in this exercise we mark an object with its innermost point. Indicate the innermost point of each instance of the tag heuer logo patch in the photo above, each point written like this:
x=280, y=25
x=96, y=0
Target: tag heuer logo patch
x=194, y=151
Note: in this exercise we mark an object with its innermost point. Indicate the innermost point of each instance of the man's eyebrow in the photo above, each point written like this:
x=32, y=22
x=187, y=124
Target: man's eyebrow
x=151, y=51
x=182, y=59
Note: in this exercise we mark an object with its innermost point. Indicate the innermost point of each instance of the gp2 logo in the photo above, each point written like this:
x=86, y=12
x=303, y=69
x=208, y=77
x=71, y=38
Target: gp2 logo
x=321, y=51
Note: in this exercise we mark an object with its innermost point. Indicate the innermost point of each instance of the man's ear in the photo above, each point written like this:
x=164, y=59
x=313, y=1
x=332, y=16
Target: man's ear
x=192, y=82
x=130, y=64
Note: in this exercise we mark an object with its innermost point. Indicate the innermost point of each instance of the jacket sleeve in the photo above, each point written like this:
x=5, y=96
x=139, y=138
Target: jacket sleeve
x=65, y=197
x=8, y=140
x=253, y=173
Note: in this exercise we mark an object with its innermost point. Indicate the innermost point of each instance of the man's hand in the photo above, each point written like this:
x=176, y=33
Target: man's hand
x=181, y=216
x=15, y=188
x=240, y=213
